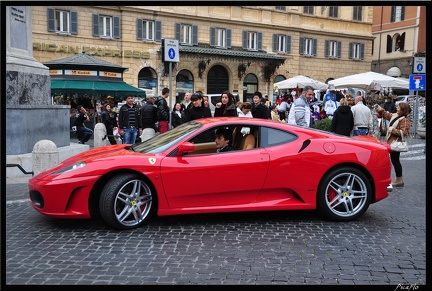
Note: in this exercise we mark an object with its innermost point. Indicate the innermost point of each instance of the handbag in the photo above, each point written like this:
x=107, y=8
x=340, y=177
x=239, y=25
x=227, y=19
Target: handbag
x=399, y=146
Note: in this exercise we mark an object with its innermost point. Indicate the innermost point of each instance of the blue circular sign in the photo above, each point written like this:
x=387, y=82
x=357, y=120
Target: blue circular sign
x=171, y=53
x=419, y=67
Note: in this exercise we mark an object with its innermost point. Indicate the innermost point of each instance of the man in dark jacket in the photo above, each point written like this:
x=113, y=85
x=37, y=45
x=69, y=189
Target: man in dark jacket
x=148, y=113
x=163, y=113
x=389, y=105
x=223, y=140
x=129, y=121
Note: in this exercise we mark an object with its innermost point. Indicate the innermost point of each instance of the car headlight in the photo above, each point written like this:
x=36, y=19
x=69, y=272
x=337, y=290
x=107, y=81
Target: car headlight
x=70, y=168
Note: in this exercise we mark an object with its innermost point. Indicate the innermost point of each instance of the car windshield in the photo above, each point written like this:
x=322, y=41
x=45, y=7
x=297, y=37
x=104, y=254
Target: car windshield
x=161, y=142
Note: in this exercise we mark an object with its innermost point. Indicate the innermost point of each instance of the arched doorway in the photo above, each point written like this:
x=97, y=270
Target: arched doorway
x=217, y=80
x=278, y=78
x=250, y=86
x=147, y=80
x=184, y=84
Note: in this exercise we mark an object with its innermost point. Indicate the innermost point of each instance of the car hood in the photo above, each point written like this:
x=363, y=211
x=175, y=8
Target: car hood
x=97, y=160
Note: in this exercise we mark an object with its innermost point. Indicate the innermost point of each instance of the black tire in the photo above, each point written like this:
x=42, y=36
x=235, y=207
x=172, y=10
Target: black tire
x=127, y=202
x=344, y=194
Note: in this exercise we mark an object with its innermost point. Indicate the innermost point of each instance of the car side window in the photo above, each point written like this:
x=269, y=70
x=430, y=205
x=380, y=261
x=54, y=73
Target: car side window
x=274, y=137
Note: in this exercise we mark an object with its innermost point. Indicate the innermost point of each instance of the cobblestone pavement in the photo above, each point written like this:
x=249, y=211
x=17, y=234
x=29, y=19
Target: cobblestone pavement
x=387, y=246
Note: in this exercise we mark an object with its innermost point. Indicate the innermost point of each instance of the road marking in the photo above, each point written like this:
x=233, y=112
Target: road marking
x=17, y=201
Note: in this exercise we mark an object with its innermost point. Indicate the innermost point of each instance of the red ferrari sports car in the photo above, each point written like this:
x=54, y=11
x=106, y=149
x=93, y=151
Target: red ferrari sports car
x=274, y=166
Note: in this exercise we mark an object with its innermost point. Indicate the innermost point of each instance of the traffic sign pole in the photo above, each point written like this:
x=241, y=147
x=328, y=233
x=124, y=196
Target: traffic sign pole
x=171, y=54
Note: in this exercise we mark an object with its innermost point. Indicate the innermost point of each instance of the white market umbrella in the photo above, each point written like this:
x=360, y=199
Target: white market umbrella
x=368, y=80
x=300, y=82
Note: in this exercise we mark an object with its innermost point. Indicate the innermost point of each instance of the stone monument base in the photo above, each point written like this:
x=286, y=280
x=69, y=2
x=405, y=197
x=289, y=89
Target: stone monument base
x=27, y=124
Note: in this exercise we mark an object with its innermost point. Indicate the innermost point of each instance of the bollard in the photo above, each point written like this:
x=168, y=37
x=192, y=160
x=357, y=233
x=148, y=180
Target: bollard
x=99, y=133
x=45, y=155
x=147, y=134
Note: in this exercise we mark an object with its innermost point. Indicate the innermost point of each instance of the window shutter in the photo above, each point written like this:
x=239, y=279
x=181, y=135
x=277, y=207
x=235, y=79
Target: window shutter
x=403, y=13
x=288, y=44
x=212, y=36
x=195, y=34
x=302, y=45
x=116, y=27
x=351, y=52
x=158, y=30
x=275, y=42
x=402, y=42
x=259, y=42
x=74, y=22
x=326, y=48
x=177, y=31
x=228, y=40
x=389, y=44
x=339, y=49
x=51, y=19
x=244, y=40
x=393, y=14
x=95, y=18
x=362, y=46
x=139, y=28
x=314, y=46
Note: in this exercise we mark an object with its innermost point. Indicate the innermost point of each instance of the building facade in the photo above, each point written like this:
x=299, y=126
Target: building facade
x=242, y=49
x=400, y=35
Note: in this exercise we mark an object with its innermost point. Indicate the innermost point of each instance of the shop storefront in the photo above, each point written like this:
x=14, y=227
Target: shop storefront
x=88, y=81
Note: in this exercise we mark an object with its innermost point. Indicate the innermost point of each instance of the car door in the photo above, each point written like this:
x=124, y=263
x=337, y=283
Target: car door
x=216, y=179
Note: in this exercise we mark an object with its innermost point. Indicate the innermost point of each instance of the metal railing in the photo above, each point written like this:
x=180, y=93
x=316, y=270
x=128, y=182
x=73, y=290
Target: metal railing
x=21, y=168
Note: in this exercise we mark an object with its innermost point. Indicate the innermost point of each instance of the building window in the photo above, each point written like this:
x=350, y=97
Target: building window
x=106, y=26
x=186, y=33
x=220, y=37
x=396, y=43
x=397, y=13
x=282, y=43
x=62, y=21
x=334, y=11
x=252, y=40
x=356, y=51
x=308, y=10
x=281, y=8
x=149, y=30
x=308, y=46
x=333, y=49
x=357, y=13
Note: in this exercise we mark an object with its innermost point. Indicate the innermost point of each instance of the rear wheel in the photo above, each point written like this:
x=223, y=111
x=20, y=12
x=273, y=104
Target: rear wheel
x=127, y=202
x=344, y=194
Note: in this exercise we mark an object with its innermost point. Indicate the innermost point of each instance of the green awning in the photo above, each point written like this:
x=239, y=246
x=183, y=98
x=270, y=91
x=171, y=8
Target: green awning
x=115, y=89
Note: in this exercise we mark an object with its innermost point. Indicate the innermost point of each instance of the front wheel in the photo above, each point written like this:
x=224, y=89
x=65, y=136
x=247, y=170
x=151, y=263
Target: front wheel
x=344, y=194
x=127, y=202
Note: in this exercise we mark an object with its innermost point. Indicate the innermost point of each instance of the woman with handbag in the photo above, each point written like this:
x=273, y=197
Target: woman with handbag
x=397, y=130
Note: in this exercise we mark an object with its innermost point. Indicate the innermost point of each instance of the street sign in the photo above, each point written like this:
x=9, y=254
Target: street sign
x=419, y=66
x=171, y=48
x=417, y=82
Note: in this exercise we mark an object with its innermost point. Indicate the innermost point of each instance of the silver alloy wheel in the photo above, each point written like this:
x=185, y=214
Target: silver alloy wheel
x=346, y=195
x=133, y=202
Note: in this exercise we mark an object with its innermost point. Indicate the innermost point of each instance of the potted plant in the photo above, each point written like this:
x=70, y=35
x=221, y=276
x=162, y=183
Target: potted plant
x=323, y=124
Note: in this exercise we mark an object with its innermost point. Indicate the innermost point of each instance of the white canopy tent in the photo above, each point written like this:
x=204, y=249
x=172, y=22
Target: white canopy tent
x=368, y=80
x=300, y=82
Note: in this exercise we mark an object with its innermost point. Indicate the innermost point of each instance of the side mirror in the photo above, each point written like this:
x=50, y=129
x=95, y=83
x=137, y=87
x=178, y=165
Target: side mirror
x=185, y=148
